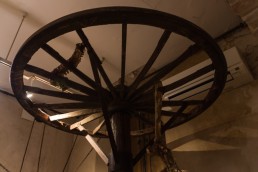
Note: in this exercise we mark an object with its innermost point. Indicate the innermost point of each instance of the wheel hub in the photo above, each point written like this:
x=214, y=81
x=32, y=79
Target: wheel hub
x=122, y=103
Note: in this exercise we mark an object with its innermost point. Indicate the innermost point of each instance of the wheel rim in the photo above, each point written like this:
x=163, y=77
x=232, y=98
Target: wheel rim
x=134, y=94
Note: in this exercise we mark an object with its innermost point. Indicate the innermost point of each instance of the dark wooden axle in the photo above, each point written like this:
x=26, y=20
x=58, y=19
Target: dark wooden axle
x=121, y=128
x=121, y=110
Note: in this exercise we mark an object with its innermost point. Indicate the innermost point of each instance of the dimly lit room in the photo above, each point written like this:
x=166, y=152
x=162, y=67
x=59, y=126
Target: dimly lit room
x=129, y=86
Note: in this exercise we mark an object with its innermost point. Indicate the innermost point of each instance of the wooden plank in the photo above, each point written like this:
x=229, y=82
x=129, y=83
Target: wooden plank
x=86, y=120
x=96, y=147
x=73, y=114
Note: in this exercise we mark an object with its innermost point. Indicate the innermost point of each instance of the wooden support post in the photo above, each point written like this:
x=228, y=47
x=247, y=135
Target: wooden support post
x=121, y=127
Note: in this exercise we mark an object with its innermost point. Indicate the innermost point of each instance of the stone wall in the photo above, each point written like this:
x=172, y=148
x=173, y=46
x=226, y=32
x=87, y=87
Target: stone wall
x=224, y=138
x=248, y=11
x=247, y=44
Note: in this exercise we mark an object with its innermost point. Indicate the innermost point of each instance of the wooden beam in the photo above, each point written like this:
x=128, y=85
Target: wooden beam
x=73, y=114
x=86, y=120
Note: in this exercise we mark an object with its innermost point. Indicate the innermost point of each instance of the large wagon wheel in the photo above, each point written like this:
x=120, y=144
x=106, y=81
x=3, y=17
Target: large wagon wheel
x=81, y=98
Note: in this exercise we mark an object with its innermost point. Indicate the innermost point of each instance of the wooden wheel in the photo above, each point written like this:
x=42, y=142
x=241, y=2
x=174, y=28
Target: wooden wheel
x=70, y=101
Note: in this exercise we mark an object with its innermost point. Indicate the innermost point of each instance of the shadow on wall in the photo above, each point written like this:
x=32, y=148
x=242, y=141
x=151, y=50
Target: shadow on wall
x=220, y=149
x=224, y=138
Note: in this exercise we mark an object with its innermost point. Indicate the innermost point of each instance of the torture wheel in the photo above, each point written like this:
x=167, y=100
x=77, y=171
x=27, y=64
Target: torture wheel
x=72, y=98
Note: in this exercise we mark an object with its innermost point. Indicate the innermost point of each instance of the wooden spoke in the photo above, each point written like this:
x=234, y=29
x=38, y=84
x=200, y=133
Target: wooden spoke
x=61, y=60
x=86, y=120
x=194, y=48
x=98, y=150
x=142, y=152
x=173, y=118
x=98, y=127
x=171, y=114
x=181, y=102
x=93, y=60
x=94, y=57
x=154, y=56
x=166, y=69
x=74, y=105
x=51, y=93
x=105, y=113
x=73, y=114
x=187, y=79
x=111, y=135
x=63, y=80
x=123, y=61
